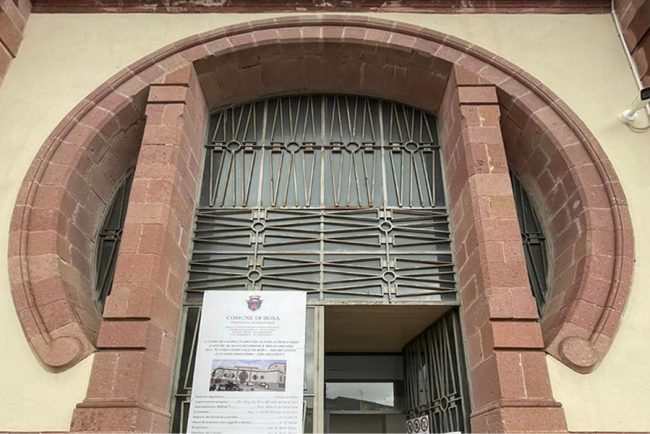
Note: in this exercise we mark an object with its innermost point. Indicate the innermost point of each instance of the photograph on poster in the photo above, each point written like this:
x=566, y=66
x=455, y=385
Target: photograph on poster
x=248, y=375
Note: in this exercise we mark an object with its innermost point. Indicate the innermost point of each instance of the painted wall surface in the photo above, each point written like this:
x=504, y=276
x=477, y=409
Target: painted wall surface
x=64, y=57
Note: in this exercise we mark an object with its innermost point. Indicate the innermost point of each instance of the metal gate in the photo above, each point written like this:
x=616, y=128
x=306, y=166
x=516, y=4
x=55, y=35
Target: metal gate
x=435, y=376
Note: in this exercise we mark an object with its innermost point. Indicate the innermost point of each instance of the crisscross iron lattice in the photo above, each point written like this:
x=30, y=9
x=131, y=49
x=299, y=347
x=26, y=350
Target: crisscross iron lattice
x=338, y=196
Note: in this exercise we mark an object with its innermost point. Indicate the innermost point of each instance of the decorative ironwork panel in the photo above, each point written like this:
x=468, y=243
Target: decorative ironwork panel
x=315, y=151
x=338, y=196
x=108, y=240
x=336, y=253
x=534, y=243
x=435, y=376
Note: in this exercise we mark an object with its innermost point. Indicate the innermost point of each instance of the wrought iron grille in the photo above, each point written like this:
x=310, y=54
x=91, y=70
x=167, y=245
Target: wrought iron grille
x=435, y=376
x=185, y=370
x=338, y=196
x=108, y=240
x=534, y=243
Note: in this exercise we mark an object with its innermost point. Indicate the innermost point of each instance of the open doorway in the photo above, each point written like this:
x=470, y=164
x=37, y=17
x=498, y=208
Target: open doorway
x=364, y=392
x=384, y=365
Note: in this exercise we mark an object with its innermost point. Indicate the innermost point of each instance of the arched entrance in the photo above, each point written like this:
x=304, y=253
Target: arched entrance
x=468, y=88
x=341, y=197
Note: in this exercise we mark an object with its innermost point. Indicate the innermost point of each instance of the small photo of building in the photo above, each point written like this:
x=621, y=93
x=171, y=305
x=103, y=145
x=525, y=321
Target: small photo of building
x=248, y=375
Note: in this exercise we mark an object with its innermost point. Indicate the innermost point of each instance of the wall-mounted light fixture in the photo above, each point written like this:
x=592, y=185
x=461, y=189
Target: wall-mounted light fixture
x=630, y=115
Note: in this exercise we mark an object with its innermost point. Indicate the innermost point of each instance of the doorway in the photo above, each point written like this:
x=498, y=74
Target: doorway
x=364, y=393
x=341, y=197
x=371, y=368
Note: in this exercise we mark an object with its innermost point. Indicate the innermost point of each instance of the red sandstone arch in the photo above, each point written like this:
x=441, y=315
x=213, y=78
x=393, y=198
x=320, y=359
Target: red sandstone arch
x=63, y=196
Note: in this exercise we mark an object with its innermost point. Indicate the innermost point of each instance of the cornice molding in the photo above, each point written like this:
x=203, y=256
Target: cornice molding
x=252, y=6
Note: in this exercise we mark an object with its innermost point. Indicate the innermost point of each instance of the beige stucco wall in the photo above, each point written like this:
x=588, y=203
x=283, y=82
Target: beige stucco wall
x=64, y=57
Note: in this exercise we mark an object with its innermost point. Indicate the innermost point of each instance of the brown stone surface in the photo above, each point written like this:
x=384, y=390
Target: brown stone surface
x=505, y=354
x=634, y=17
x=13, y=16
x=10, y=28
x=145, y=308
x=432, y=6
x=520, y=416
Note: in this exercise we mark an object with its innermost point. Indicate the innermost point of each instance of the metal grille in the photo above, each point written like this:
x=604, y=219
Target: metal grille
x=108, y=240
x=338, y=196
x=185, y=375
x=435, y=373
x=534, y=243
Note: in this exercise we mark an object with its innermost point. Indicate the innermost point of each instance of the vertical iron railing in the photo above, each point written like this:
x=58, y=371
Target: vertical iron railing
x=436, y=378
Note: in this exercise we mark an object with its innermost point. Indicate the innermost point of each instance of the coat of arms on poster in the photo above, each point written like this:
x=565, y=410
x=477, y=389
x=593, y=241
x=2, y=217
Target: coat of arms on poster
x=254, y=302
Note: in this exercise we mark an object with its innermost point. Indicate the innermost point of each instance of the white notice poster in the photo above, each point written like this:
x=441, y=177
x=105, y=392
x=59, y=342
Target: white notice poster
x=248, y=376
